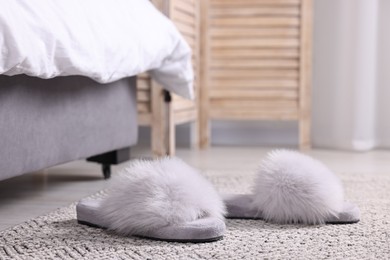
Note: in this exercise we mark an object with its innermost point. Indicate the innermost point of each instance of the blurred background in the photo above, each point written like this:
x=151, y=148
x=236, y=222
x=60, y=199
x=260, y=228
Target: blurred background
x=350, y=85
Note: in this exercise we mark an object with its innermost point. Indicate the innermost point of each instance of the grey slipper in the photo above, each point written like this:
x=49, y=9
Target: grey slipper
x=164, y=200
x=291, y=187
x=206, y=229
x=241, y=206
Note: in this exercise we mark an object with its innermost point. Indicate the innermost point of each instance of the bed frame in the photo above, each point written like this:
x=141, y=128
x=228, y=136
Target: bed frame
x=45, y=122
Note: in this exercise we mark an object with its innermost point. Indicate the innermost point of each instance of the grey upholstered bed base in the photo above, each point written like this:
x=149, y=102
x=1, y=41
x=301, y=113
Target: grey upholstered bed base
x=44, y=122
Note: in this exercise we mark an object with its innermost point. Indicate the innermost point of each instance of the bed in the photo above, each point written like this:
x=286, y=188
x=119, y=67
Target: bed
x=67, y=78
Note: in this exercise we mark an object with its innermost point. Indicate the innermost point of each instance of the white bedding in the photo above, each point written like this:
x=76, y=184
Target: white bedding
x=101, y=39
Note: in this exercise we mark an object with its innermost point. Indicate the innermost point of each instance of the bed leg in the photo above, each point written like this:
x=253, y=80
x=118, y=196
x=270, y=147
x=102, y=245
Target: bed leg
x=110, y=158
x=106, y=169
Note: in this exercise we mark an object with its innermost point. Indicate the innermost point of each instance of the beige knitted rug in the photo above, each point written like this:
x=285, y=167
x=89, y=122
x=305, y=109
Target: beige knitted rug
x=58, y=236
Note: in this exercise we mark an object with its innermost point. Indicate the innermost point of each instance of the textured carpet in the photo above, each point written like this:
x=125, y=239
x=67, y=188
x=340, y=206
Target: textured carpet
x=57, y=235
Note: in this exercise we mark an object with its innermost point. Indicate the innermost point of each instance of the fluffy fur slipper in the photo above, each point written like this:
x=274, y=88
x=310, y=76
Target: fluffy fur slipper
x=164, y=199
x=293, y=188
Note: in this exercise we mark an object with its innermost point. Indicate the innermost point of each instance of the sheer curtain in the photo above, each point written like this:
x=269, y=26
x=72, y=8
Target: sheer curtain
x=351, y=81
x=384, y=75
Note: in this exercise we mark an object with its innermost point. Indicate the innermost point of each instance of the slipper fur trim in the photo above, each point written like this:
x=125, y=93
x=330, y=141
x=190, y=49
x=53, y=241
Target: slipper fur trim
x=149, y=195
x=291, y=187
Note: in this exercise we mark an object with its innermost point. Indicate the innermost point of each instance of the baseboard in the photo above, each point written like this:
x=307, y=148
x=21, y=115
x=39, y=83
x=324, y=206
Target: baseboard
x=264, y=133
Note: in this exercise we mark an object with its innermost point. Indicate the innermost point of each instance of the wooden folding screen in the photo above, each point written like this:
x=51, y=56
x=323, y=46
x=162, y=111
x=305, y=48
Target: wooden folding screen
x=153, y=111
x=255, y=62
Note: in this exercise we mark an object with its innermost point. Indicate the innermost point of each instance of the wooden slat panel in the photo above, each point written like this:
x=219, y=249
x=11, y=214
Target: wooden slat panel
x=183, y=105
x=191, y=2
x=249, y=114
x=240, y=3
x=262, y=10
x=262, y=73
x=182, y=17
x=144, y=75
x=179, y=98
x=254, y=83
x=144, y=119
x=254, y=73
x=185, y=16
x=189, y=35
x=255, y=43
x=254, y=94
x=254, y=70
x=143, y=95
x=184, y=116
x=255, y=64
x=143, y=107
x=143, y=83
x=255, y=21
x=255, y=53
x=178, y=106
x=184, y=6
x=257, y=109
x=282, y=32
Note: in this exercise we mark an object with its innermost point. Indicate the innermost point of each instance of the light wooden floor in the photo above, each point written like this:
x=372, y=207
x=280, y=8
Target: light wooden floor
x=34, y=194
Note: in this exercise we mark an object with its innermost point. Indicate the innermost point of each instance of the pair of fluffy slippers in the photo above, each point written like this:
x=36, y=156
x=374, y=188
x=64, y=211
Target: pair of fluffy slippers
x=169, y=200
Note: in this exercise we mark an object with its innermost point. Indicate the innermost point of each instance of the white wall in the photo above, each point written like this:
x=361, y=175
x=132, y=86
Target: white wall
x=345, y=74
x=331, y=58
x=351, y=69
x=384, y=74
